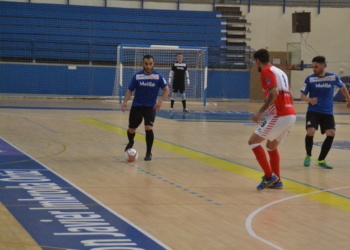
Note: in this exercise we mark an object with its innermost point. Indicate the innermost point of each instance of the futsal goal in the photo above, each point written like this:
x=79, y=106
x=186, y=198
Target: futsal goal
x=129, y=62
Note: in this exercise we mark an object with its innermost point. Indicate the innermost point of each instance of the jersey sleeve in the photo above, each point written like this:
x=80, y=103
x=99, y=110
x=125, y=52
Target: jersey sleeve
x=338, y=82
x=132, y=84
x=173, y=67
x=162, y=82
x=268, y=79
x=305, y=88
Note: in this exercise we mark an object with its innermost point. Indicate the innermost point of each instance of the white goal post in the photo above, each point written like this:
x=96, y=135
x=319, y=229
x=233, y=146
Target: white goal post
x=129, y=62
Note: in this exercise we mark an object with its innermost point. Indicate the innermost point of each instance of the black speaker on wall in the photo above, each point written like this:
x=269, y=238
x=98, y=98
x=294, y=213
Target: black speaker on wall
x=301, y=22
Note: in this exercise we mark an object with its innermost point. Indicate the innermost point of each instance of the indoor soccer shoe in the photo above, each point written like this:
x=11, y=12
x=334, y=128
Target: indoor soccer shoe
x=171, y=110
x=307, y=161
x=148, y=157
x=186, y=111
x=277, y=185
x=129, y=145
x=266, y=183
x=323, y=164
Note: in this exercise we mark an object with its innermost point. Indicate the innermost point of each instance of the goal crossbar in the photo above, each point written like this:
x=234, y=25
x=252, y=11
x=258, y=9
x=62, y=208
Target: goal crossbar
x=129, y=61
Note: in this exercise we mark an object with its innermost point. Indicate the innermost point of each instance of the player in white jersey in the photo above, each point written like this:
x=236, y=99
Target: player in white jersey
x=280, y=120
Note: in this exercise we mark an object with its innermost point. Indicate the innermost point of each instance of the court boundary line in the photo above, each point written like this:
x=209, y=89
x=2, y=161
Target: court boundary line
x=94, y=199
x=250, y=218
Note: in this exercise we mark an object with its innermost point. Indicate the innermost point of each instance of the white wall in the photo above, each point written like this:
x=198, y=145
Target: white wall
x=160, y=6
x=329, y=36
x=125, y=4
x=99, y=3
x=196, y=7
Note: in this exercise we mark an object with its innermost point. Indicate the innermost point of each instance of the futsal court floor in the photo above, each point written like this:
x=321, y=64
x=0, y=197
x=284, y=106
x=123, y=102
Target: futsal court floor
x=64, y=183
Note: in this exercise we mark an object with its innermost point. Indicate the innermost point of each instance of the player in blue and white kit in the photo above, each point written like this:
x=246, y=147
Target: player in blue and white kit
x=146, y=84
x=320, y=87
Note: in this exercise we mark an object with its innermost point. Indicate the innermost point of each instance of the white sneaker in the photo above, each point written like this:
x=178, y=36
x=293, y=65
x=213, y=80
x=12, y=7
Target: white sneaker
x=171, y=110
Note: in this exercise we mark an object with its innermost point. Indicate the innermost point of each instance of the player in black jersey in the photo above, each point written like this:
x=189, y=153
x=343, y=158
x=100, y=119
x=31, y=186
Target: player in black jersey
x=177, y=76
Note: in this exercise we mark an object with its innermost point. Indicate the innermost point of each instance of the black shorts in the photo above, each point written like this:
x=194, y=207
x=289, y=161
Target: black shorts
x=326, y=121
x=138, y=113
x=179, y=87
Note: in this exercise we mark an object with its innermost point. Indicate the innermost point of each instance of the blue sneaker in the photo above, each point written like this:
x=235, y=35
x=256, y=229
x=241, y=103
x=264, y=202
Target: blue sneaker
x=266, y=183
x=277, y=185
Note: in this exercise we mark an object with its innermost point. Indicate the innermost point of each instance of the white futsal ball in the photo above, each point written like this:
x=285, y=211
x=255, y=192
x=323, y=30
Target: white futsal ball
x=131, y=155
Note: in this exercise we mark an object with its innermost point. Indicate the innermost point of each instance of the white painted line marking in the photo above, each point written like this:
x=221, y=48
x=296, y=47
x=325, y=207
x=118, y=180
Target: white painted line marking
x=248, y=222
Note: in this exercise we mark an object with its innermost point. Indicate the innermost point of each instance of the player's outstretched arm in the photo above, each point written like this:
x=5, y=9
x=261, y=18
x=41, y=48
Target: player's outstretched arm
x=165, y=95
x=345, y=92
x=126, y=99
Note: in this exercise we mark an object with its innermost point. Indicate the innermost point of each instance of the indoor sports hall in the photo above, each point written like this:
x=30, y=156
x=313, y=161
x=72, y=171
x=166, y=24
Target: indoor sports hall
x=65, y=183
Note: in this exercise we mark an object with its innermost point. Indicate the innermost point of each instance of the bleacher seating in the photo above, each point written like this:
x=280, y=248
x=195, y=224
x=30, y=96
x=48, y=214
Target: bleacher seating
x=66, y=33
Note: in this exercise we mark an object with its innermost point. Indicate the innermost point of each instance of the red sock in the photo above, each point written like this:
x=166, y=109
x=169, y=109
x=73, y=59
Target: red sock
x=262, y=159
x=275, y=161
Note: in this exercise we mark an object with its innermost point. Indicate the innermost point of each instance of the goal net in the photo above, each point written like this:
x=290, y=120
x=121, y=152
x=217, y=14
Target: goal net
x=129, y=62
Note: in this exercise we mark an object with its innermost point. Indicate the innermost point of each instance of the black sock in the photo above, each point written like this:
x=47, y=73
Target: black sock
x=131, y=137
x=184, y=103
x=326, y=146
x=149, y=140
x=309, y=141
x=172, y=103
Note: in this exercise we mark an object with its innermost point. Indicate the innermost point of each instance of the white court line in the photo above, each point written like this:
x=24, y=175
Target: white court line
x=248, y=222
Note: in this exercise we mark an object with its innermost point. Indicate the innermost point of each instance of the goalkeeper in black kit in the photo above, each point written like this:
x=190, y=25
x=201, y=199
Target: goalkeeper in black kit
x=177, y=76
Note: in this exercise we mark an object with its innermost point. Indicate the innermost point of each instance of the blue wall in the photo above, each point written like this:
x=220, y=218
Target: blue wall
x=228, y=84
x=99, y=81
x=56, y=80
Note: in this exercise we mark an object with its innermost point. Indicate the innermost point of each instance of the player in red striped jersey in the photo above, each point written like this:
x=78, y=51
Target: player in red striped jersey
x=280, y=119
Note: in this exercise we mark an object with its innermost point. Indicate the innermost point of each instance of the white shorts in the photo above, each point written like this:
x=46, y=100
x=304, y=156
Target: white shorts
x=276, y=127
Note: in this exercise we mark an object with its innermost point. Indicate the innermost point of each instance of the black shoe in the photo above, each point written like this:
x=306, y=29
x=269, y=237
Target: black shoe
x=148, y=157
x=129, y=145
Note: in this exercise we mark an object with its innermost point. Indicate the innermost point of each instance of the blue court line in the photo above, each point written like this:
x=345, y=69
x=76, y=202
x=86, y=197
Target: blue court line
x=165, y=180
x=41, y=126
x=230, y=161
x=58, y=108
x=110, y=109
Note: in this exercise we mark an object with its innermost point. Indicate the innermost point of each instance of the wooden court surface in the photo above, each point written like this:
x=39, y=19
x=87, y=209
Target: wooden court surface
x=211, y=203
